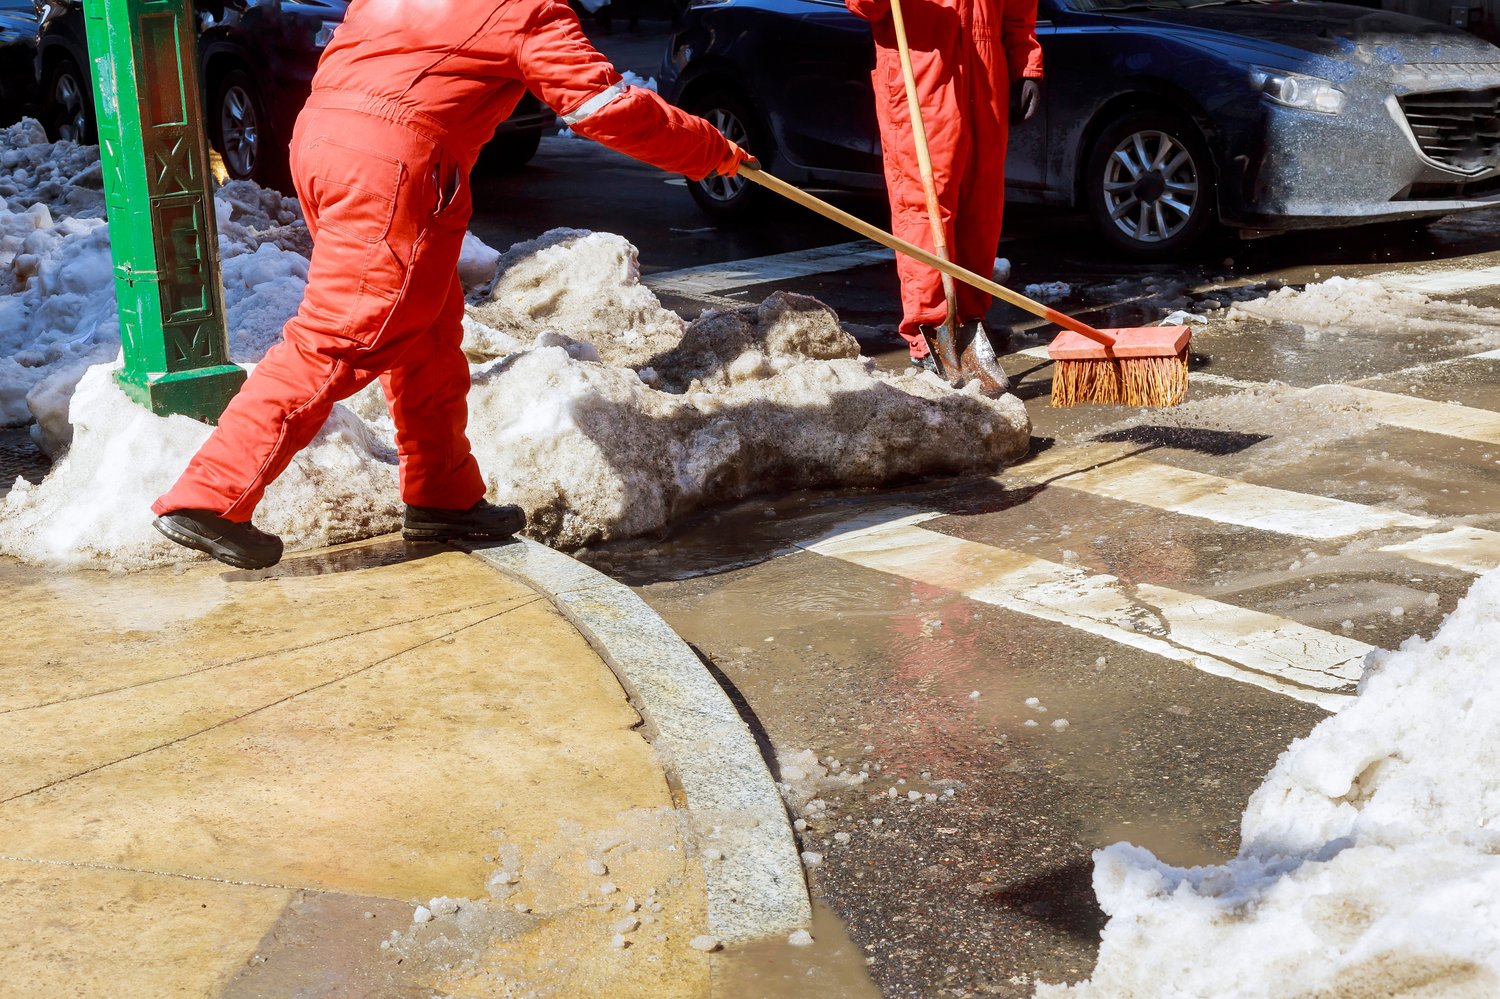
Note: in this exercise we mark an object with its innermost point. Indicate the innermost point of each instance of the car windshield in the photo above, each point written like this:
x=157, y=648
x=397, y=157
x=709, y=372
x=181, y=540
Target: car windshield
x=1117, y=6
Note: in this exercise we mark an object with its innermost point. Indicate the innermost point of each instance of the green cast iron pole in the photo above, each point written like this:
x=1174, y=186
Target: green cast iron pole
x=161, y=219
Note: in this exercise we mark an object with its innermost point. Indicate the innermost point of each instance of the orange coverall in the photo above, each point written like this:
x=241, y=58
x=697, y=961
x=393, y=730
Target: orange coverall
x=965, y=55
x=403, y=100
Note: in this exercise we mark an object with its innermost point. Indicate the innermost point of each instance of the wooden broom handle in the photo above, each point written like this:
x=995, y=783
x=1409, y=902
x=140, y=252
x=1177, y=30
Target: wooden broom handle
x=924, y=160
x=968, y=277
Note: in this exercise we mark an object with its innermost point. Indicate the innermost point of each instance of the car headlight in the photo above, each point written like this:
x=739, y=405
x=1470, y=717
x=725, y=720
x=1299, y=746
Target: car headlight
x=325, y=34
x=1297, y=91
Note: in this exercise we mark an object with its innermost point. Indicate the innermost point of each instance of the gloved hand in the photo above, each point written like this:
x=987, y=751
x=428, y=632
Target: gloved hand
x=730, y=164
x=1025, y=100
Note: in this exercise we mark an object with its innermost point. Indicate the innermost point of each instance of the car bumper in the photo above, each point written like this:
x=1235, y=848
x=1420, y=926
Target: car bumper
x=1363, y=166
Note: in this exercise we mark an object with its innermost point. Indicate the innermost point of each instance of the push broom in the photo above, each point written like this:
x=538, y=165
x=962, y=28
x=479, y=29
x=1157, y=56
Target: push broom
x=1138, y=366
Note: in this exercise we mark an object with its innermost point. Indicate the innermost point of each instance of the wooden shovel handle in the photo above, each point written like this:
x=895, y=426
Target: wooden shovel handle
x=968, y=277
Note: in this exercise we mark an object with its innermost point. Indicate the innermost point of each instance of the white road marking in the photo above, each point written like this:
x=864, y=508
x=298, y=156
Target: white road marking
x=711, y=279
x=1469, y=549
x=1112, y=471
x=1445, y=418
x=1269, y=652
x=1443, y=282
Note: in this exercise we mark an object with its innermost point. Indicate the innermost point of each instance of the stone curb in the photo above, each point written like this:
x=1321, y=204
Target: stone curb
x=757, y=889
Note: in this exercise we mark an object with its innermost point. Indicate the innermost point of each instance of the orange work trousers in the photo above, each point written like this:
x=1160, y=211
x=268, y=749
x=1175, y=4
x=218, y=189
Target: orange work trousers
x=387, y=208
x=963, y=90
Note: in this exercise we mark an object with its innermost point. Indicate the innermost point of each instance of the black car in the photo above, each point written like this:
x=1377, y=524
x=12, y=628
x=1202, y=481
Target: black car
x=18, y=31
x=1164, y=119
x=257, y=59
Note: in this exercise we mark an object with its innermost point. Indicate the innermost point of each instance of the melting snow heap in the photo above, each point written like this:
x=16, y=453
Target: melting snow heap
x=601, y=413
x=1370, y=864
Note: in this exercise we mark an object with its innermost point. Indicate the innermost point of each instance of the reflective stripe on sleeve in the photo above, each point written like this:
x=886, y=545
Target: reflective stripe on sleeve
x=593, y=104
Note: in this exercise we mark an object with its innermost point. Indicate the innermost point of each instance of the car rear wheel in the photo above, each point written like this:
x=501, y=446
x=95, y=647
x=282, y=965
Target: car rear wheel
x=66, y=110
x=730, y=198
x=1150, y=185
x=241, y=133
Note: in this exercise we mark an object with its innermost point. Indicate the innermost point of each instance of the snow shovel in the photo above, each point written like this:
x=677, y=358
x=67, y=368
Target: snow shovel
x=1140, y=366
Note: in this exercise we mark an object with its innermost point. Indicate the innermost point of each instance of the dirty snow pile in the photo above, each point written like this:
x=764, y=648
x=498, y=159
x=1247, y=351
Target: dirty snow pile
x=1368, y=305
x=600, y=412
x=57, y=301
x=93, y=507
x=1370, y=863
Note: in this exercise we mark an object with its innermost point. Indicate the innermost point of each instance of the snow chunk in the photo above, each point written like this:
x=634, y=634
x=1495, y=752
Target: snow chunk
x=584, y=284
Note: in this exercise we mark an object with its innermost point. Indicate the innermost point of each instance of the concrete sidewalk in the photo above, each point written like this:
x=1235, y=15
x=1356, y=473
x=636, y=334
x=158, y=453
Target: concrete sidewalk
x=244, y=784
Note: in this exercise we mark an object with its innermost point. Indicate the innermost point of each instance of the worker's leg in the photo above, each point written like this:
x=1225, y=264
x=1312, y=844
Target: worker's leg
x=428, y=400
x=980, y=203
x=922, y=299
x=376, y=285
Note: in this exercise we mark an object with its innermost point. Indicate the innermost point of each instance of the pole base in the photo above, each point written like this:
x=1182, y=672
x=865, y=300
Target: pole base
x=201, y=393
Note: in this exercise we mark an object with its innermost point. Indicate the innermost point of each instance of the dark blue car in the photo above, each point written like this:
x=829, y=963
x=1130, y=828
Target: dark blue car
x=1164, y=119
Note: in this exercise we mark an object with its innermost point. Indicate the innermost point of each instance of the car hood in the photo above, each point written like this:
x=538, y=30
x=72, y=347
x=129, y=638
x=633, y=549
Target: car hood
x=1333, y=32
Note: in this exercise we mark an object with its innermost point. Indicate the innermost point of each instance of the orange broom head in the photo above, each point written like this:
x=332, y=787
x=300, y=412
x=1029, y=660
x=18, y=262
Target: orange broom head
x=1140, y=341
x=1147, y=366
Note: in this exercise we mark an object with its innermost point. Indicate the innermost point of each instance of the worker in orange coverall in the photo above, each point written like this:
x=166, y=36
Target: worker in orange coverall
x=404, y=98
x=977, y=65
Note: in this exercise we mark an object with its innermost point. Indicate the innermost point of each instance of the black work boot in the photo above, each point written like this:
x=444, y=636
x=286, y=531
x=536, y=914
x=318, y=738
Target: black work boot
x=483, y=520
x=243, y=546
x=925, y=363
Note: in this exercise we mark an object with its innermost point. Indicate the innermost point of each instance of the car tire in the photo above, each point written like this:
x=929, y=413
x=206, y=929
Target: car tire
x=509, y=153
x=67, y=105
x=240, y=130
x=1150, y=187
x=731, y=199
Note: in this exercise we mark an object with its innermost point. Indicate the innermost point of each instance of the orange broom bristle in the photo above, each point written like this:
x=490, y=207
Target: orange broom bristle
x=1146, y=367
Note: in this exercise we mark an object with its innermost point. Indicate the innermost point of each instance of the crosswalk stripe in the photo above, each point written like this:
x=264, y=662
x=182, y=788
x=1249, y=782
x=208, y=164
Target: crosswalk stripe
x=1442, y=282
x=1269, y=652
x=1468, y=549
x=1112, y=471
x=1413, y=413
x=711, y=279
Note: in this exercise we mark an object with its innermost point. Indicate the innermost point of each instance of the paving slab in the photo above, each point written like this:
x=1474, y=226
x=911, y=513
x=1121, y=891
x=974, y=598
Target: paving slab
x=221, y=783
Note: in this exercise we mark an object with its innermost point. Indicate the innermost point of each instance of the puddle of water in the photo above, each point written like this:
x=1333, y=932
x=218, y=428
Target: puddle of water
x=832, y=967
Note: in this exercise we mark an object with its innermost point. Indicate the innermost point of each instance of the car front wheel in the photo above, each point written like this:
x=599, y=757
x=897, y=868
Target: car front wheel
x=1150, y=185
x=241, y=133
x=730, y=198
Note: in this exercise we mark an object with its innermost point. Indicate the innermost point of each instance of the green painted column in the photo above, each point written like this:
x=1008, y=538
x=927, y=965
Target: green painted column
x=144, y=61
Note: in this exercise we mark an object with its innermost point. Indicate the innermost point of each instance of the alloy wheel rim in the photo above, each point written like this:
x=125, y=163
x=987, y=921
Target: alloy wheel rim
x=68, y=95
x=240, y=131
x=1151, y=186
x=715, y=186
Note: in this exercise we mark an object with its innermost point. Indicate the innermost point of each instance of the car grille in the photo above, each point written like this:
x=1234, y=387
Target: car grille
x=1457, y=128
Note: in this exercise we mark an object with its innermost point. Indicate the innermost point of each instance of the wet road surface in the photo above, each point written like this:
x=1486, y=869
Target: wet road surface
x=1115, y=640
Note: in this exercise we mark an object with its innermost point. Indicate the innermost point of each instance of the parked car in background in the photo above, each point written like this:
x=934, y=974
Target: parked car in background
x=18, y=30
x=257, y=59
x=1163, y=119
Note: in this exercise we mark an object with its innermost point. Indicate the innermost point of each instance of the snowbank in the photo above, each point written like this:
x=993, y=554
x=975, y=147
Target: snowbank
x=1370, y=863
x=763, y=398
x=596, y=409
